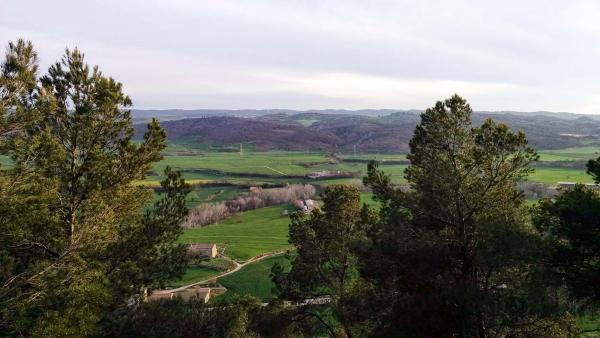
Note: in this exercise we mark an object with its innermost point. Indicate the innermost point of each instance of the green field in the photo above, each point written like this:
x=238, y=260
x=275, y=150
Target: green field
x=307, y=122
x=246, y=234
x=267, y=163
x=194, y=274
x=554, y=175
x=367, y=198
x=270, y=167
x=203, y=271
x=254, y=279
x=570, y=154
x=274, y=167
x=261, y=167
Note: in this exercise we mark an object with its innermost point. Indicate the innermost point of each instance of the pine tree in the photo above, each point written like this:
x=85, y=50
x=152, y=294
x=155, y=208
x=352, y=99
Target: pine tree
x=455, y=255
x=80, y=239
x=324, y=263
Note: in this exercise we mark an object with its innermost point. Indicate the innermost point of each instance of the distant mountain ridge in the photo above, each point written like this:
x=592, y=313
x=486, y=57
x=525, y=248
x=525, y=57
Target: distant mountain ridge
x=178, y=114
x=374, y=133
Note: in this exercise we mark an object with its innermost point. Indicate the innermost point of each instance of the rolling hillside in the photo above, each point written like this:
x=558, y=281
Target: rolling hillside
x=310, y=131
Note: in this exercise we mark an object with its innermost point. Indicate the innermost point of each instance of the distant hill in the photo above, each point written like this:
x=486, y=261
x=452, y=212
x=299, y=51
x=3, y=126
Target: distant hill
x=143, y=115
x=178, y=114
x=381, y=131
x=264, y=134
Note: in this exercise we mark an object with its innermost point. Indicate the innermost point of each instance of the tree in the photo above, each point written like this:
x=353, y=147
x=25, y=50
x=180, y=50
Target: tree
x=17, y=87
x=236, y=317
x=323, y=263
x=455, y=255
x=79, y=243
x=571, y=224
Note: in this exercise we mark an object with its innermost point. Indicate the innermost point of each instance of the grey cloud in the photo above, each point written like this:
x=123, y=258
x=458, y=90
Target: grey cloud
x=547, y=47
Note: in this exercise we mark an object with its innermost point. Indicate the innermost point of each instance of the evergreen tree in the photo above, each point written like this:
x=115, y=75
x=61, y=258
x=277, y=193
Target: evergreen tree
x=77, y=243
x=455, y=255
x=571, y=225
x=324, y=264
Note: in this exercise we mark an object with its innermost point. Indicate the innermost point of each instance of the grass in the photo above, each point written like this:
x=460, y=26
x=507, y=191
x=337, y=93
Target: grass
x=589, y=323
x=290, y=163
x=307, y=122
x=254, y=279
x=204, y=270
x=530, y=202
x=570, y=154
x=246, y=234
x=367, y=198
x=230, y=166
x=301, y=163
x=554, y=175
x=195, y=274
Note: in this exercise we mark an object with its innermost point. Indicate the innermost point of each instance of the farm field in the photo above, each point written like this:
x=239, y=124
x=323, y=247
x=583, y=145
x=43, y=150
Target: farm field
x=203, y=165
x=194, y=274
x=273, y=167
x=246, y=234
x=251, y=233
x=270, y=163
x=198, y=162
x=255, y=168
x=254, y=279
x=570, y=154
x=554, y=175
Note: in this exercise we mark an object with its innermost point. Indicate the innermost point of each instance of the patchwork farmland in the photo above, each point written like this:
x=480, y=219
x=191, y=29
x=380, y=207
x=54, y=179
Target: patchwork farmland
x=218, y=176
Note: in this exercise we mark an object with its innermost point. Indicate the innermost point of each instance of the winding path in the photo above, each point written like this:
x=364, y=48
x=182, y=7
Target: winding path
x=238, y=266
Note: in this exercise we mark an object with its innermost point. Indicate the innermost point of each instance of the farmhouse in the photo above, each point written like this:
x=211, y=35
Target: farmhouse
x=306, y=205
x=202, y=250
x=573, y=184
x=199, y=293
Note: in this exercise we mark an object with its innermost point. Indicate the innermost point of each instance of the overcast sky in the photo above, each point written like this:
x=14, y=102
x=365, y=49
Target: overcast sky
x=500, y=55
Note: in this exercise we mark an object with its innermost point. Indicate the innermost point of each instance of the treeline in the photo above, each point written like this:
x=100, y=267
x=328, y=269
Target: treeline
x=221, y=173
x=208, y=213
x=224, y=183
x=382, y=162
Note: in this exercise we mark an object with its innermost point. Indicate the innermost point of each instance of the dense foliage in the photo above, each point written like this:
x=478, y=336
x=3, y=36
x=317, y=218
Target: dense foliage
x=570, y=224
x=77, y=241
x=454, y=255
